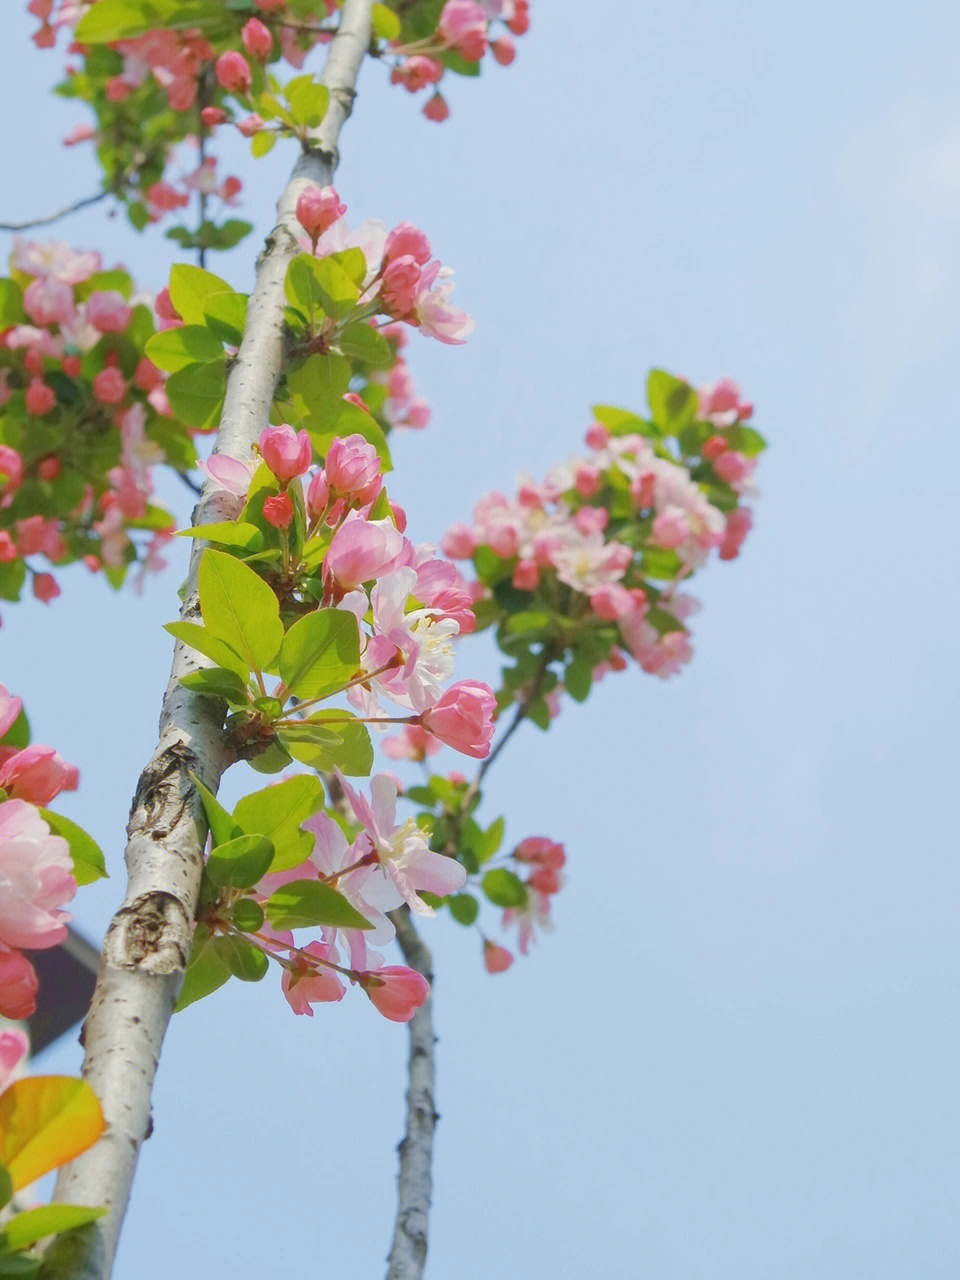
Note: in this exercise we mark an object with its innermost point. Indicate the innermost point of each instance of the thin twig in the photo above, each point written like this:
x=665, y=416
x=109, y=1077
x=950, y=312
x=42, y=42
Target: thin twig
x=408, y=1252
x=55, y=217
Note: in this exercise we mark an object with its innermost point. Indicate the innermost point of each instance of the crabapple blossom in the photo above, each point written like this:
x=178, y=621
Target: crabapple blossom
x=36, y=879
x=462, y=718
x=107, y=311
x=496, y=959
x=18, y=985
x=36, y=773
x=14, y=1047
x=318, y=208
x=395, y=991
x=233, y=72
x=286, y=452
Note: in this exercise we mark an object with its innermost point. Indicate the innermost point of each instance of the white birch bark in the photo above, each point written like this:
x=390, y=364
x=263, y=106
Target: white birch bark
x=148, y=942
x=408, y=1252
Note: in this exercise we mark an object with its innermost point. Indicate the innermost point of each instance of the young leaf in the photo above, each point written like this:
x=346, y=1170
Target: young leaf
x=239, y=863
x=174, y=349
x=45, y=1121
x=205, y=642
x=302, y=904
x=218, y=683
x=227, y=533
x=85, y=853
x=239, y=608
x=504, y=889
x=320, y=653
x=49, y=1220
x=206, y=970
x=223, y=828
x=352, y=753
x=278, y=813
x=463, y=907
x=192, y=288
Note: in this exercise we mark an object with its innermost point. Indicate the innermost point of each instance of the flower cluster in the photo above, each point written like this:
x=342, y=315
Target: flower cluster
x=586, y=566
x=465, y=32
x=84, y=416
x=36, y=871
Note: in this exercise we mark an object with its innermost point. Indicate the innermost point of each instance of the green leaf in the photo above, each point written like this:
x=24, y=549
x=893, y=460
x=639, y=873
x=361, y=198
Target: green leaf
x=247, y=915
x=192, y=289
x=189, y=344
x=18, y=735
x=206, y=970
x=278, y=813
x=303, y=904
x=262, y=142
x=112, y=20
x=19, y=1266
x=313, y=283
x=491, y=840
x=463, y=907
x=659, y=563
x=362, y=342
x=577, y=679
x=308, y=100
x=196, y=394
x=620, y=422
x=85, y=853
x=49, y=1220
x=223, y=828
x=239, y=863
x=673, y=402
x=352, y=755
x=273, y=760
x=244, y=960
x=6, y=1186
x=239, y=608
x=320, y=653
x=226, y=315
x=199, y=638
x=227, y=533
x=11, y=304
x=217, y=682
x=663, y=621
x=504, y=889
x=386, y=24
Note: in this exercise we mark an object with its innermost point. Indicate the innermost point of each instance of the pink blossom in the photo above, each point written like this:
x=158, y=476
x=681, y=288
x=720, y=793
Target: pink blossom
x=720, y=403
x=213, y=116
x=250, y=124
x=733, y=467
x=306, y=984
x=519, y=19
x=318, y=208
x=612, y=602
x=36, y=773
x=352, y=469
x=670, y=527
x=257, y=39
x=36, y=878
x=79, y=133
x=8, y=548
x=229, y=473
x=395, y=992
x=48, y=300
x=536, y=913
x=318, y=495
x=107, y=311
x=278, y=510
x=597, y=436
x=164, y=198
x=400, y=288
x=463, y=26
x=463, y=718
x=504, y=50
x=233, y=72
x=10, y=707
x=407, y=241
x=18, y=984
x=45, y=587
x=459, y=542
x=433, y=312
x=362, y=550
x=496, y=959
x=417, y=73
x=55, y=259
x=14, y=1043
x=739, y=524
x=286, y=452
x=526, y=576
x=443, y=590
x=407, y=862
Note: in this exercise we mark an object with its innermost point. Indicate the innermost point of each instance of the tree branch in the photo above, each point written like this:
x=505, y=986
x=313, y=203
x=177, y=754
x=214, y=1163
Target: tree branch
x=148, y=942
x=55, y=217
x=408, y=1253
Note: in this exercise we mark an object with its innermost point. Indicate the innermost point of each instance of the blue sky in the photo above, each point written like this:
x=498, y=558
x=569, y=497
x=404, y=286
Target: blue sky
x=735, y=1058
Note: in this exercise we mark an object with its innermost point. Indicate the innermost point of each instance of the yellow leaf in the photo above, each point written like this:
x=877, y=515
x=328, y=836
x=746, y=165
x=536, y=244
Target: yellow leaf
x=45, y=1121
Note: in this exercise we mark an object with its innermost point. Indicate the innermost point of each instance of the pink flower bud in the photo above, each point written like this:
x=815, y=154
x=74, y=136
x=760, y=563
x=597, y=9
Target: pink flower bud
x=278, y=510
x=109, y=386
x=733, y=467
x=233, y=72
x=147, y=376
x=526, y=576
x=212, y=116
x=598, y=436
x=504, y=50
x=458, y=542
x=496, y=959
x=462, y=718
x=8, y=548
x=45, y=587
x=713, y=447
x=18, y=986
x=107, y=311
x=11, y=469
x=352, y=469
x=48, y=468
x=318, y=208
x=463, y=26
x=436, y=108
x=40, y=398
x=318, y=495
x=286, y=452
x=250, y=125
x=401, y=286
x=395, y=991
x=14, y=1047
x=519, y=24
x=407, y=241
x=37, y=774
x=257, y=39
x=587, y=480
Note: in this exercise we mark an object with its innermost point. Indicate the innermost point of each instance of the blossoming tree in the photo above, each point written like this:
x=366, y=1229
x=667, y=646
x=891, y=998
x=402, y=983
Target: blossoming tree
x=310, y=613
